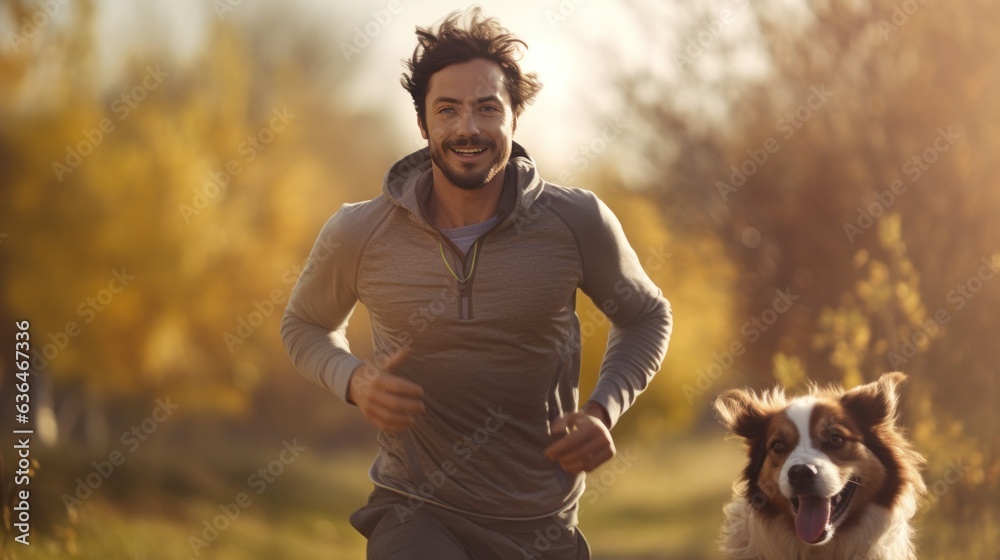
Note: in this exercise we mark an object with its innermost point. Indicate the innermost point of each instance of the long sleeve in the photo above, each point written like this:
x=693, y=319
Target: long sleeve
x=616, y=282
x=314, y=325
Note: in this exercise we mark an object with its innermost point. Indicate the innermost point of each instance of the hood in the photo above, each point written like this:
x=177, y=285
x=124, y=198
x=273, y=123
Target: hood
x=408, y=184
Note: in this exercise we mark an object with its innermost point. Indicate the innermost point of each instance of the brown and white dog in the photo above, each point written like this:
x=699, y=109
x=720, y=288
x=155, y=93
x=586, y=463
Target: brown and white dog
x=829, y=477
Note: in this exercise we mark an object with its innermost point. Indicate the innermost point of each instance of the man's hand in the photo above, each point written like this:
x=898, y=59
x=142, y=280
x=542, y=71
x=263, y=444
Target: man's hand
x=587, y=443
x=388, y=401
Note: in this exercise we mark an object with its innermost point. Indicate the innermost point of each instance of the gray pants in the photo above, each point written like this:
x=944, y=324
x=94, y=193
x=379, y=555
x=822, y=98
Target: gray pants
x=398, y=531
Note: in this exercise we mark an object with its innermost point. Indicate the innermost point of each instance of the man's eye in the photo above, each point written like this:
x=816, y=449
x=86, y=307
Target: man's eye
x=490, y=108
x=446, y=110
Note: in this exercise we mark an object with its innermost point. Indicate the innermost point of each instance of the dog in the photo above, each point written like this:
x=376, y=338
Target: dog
x=829, y=477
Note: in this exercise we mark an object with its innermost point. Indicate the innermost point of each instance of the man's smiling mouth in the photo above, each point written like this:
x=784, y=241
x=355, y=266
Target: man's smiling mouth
x=468, y=151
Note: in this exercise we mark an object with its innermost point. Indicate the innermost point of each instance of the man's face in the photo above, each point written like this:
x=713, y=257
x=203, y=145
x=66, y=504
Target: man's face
x=470, y=124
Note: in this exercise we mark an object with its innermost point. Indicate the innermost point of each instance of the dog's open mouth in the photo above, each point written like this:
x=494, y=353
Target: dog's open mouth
x=815, y=515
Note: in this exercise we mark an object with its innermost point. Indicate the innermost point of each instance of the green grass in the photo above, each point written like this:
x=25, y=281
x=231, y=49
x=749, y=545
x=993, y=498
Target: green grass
x=302, y=514
x=661, y=500
x=668, y=504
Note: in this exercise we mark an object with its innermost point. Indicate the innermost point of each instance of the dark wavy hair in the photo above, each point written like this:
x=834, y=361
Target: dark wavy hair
x=454, y=44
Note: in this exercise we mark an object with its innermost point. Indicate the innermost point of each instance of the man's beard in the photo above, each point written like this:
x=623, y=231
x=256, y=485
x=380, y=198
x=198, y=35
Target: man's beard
x=470, y=180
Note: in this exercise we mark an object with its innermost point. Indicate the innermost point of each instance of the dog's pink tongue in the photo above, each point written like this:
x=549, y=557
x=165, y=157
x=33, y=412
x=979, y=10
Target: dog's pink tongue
x=812, y=518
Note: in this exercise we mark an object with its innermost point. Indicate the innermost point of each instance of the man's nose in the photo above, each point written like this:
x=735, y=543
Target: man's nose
x=467, y=125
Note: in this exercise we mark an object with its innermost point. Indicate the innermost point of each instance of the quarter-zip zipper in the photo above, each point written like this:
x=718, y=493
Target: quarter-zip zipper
x=464, y=287
x=464, y=299
x=465, y=311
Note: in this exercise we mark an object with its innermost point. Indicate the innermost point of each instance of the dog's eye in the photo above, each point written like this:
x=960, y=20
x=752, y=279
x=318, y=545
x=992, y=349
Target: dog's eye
x=779, y=446
x=836, y=440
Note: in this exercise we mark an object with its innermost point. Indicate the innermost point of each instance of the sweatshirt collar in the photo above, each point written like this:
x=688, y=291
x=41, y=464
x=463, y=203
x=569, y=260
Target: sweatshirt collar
x=408, y=184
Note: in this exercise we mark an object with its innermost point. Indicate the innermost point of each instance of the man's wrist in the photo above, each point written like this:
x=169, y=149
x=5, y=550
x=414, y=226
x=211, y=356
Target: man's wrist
x=597, y=411
x=350, y=384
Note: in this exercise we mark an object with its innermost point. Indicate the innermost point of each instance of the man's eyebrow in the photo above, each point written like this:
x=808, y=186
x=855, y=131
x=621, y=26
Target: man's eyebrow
x=452, y=100
x=492, y=97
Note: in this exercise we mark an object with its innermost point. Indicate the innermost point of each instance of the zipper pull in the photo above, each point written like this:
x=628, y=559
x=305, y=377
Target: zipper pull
x=463, y=301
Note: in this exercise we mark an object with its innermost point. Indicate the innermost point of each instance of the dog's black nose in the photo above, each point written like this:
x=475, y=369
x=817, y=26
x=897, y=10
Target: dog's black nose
x=802, y=472
x=801, y=477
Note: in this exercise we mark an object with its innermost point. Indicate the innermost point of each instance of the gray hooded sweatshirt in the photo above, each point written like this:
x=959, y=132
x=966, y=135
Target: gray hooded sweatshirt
x=495, y=341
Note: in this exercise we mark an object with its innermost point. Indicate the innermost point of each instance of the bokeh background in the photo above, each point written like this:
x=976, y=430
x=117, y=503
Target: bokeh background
x=811, y=183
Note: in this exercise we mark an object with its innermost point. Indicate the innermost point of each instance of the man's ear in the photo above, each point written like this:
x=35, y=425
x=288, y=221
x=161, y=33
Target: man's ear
x=875, y=403
x=741, y=412
x=422, y=126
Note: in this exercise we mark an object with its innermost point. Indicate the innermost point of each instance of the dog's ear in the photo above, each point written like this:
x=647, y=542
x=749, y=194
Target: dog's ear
x=875, y=403
x=746, y=415
x=741, y=412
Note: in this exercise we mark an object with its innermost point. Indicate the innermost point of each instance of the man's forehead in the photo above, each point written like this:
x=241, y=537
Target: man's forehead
x=465, y=81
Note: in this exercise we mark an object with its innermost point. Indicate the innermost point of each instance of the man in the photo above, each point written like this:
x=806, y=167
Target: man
x=468, y=263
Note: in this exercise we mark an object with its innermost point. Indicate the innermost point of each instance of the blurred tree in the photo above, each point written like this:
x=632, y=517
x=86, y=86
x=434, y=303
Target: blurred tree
x=842, y=149
x=155, y=225
x=697, y=278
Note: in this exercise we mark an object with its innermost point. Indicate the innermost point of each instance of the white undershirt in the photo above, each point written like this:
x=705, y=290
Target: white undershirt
x=463, y=237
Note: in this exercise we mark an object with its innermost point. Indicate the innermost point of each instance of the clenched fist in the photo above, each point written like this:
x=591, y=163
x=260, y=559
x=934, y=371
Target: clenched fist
x=387, y=401
x=584, y=443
